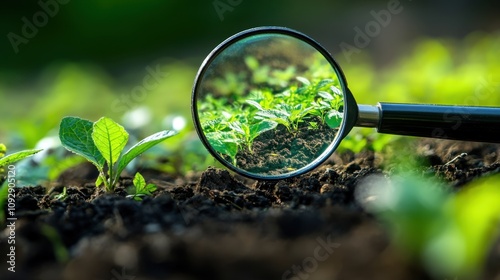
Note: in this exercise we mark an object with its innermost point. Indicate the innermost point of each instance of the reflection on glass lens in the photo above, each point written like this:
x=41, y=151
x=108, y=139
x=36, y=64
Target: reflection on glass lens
x=270, y=104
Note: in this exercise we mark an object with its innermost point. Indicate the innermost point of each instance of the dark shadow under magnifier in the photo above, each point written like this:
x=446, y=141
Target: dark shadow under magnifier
x=271, y=103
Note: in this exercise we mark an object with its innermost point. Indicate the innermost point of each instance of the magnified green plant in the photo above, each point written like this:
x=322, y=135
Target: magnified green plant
x=329, y=107
x=299, y=104
x=273, y=97
x=248, y=132
x=102, y=143
x=141, y=189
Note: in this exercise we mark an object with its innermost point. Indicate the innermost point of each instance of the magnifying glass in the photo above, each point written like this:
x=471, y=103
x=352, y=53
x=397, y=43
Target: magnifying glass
x=272, y=103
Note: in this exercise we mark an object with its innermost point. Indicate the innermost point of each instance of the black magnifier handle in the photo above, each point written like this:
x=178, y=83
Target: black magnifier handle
x=481, y=124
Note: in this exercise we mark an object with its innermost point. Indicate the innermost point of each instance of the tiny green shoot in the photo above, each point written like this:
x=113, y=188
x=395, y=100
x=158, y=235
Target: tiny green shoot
x=141, y=189
x=102, y=144
x=62, y=196
x=15, y=157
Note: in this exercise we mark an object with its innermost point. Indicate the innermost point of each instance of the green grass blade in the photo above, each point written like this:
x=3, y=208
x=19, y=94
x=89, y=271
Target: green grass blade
x=141, y=147
x=17, y=157
x=76, y=136
x=110, y=138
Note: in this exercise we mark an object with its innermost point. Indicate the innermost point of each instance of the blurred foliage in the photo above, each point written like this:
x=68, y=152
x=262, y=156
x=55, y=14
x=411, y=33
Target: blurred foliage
x=436, y=71
x=449, y=234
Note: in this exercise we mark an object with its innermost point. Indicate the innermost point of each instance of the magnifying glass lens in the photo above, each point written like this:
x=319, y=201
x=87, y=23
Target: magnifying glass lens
x=269, y=104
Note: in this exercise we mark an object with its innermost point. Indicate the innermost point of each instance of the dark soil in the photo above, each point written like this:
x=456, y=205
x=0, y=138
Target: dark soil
x=216, y=225
x=279, y=151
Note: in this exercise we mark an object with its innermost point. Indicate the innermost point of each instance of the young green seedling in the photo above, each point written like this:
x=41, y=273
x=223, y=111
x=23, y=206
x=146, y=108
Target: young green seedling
x=141, y=189
x=328, y=107
x=4, y=161
x=102, y=144
x=9, y=159
x=248, y=132
x=62, y=196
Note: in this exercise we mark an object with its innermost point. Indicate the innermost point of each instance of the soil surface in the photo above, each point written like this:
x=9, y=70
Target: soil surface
x=217, y=225
x=279, y=151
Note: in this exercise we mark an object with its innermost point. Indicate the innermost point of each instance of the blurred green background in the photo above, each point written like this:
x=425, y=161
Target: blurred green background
x=135, y=61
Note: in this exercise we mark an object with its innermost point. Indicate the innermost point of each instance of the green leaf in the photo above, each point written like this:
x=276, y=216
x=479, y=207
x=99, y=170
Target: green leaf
x=139, y=182
x=261, y=127
x=325, y=95
x=17, y=157
x=110, y=138
x=324, y=83
x=223, y=143
x=336, y=90
x=76, y=136
x=334, y=119
x=252, y=62
x=141, y=189
x=303, y=80
x=99, y=181
x=141, y=147
x=150, y=188
x=255, y=104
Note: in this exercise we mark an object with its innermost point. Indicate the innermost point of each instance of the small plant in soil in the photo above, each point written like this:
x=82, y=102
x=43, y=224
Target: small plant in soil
x=4, y=161
x=62, y=196
x=15, y=157
x=102, y=144
x=141, y=189
x=233, y=124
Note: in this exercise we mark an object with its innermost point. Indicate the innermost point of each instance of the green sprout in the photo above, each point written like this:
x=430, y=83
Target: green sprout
x=9, y=159
x=102, y=143
x=62, y=196
x=141, y=189
x=4, y=161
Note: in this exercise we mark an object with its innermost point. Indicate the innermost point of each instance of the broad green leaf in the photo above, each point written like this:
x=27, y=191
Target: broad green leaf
x=261, y=127
x=236, y=127
x=141, y=147
x=110, y=138
x=141, y=189
x=334, y=119
x=255, y=104
x=150, y=188
x=139, y=181
x=17, y=157
x=76, y=136
x=229, y=148
x=336, y=90
x=324, y=83
x=325, y=95
x=303, y=80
